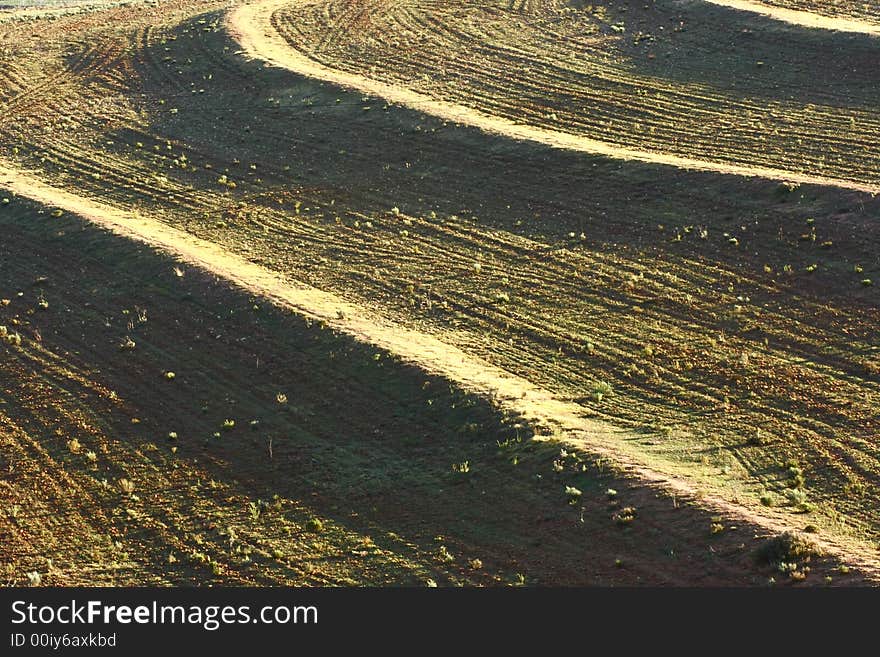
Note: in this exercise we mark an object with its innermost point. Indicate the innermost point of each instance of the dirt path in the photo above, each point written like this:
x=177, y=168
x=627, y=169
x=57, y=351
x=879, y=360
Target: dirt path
x=251, y=25
x=431, y=354
x=801, y=18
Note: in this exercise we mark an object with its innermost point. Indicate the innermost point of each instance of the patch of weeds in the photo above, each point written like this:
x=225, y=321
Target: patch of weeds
x=793, y=570
x=625, y=515
x=601, y=390
x=510, y=448
x=789, y=553
x=786, y=188
x=199, y=557
x=10, y=337
x=768, y=499
x=444, y=555
x=855, y=489
x=798, y=499
x=663, y=429
x=796, y=476
x=461, y=468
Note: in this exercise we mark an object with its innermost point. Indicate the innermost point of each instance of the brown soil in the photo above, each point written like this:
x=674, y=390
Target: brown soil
x=361, y=441
x=715, y=306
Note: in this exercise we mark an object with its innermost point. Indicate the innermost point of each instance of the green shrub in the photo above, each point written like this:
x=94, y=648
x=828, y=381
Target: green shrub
x=787, y=548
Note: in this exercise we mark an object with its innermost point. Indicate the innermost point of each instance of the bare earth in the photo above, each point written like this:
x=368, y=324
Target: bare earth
x=340, y=320
x=252, y=26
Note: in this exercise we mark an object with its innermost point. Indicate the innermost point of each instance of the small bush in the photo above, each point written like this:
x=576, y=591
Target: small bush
x=786, y=188
x=601, y=390
x=787, y=548
x=625, y=516
x=798, y=498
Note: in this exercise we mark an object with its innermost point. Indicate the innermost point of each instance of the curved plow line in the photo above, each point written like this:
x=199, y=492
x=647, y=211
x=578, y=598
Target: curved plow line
x=252, y=26
x=427, y=352
x=801, y=18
